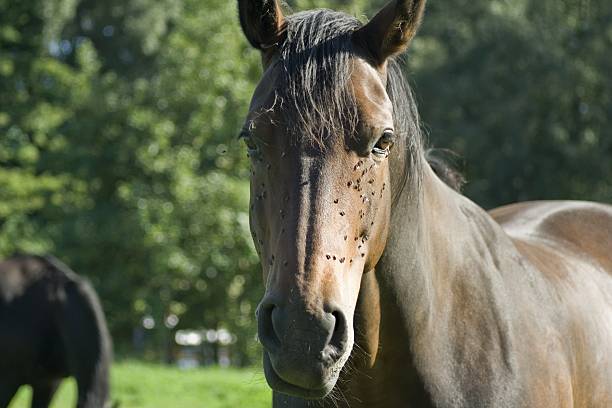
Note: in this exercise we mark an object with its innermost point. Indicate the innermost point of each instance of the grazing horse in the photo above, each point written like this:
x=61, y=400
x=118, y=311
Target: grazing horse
x=51, y=326
x=384, y=286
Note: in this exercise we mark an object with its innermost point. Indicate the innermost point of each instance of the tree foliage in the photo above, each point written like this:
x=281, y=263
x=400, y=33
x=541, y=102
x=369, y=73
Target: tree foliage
x=118, y=124
x=522, y=91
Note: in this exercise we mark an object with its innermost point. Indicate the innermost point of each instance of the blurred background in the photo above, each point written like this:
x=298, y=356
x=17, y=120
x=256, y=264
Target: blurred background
x=119, y=150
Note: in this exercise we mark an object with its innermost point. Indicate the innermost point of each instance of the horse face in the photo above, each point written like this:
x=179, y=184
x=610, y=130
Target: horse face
x=319, y=210
x=319, y=217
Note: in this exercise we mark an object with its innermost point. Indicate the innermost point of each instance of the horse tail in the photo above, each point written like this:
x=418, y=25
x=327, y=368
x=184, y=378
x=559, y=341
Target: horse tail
x=445, y=171
x=85, y=337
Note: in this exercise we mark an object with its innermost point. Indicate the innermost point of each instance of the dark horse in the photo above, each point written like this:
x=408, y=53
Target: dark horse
x=51, y=327
x=385, y=287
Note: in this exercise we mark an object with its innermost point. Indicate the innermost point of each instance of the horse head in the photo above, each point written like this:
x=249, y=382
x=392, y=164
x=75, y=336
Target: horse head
x=325, y=146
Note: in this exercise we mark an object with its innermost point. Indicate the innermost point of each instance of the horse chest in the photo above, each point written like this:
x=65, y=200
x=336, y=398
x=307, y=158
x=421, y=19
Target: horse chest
x=393, y=381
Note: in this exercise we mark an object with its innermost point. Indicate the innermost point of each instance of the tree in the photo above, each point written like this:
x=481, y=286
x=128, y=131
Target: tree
x=138, y=182
x=524, y=97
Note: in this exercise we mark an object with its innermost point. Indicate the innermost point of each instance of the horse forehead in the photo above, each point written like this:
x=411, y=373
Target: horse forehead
x=371, y=96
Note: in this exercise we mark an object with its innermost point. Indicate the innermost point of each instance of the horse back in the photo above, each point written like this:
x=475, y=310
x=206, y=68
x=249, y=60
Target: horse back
x=582, y=230
x=570, y=244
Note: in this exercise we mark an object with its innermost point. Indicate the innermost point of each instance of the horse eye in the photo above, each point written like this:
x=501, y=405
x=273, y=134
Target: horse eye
x=384, y=143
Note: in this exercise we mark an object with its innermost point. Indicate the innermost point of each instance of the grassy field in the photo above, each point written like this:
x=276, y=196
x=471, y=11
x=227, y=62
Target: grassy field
x=142, y=385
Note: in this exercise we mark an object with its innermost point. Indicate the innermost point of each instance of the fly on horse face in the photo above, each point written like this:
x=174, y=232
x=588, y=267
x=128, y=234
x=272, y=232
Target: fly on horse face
x=51, y=326
x=384, y=286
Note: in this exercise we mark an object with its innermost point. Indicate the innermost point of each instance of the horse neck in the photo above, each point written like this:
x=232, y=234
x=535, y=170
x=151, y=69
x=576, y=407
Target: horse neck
x=436, y=235
x=439, y=241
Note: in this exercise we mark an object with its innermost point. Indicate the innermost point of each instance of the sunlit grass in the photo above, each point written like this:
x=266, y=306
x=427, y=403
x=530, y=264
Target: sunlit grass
x=142, y=385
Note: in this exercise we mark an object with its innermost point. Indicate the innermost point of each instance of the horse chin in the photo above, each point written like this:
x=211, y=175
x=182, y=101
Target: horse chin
x=319, y=391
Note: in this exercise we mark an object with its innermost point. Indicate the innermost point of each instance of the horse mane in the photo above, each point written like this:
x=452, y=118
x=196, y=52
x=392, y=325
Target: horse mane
x=316, y=63
x=444, y=169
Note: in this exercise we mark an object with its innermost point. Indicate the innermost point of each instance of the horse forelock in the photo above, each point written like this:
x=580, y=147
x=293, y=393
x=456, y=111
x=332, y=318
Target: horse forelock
x=315, y=63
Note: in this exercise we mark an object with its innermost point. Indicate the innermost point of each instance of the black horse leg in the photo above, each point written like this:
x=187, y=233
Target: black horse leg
x=7, y=392
x=42, y=393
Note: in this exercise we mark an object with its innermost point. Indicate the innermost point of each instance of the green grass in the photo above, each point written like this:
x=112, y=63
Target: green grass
x=142, y=385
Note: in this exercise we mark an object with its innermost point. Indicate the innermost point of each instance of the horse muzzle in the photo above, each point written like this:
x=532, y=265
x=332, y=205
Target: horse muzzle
x=304, y=350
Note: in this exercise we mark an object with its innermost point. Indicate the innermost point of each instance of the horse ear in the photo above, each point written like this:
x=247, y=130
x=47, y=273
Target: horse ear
x=262, y=22
x=391, y=30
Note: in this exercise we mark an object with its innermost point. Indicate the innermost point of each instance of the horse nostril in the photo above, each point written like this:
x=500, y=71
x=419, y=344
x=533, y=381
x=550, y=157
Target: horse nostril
x=266, y=330
x=339, y=336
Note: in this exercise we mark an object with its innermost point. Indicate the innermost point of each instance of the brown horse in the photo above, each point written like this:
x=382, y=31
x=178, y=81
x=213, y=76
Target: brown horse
x=385, y=287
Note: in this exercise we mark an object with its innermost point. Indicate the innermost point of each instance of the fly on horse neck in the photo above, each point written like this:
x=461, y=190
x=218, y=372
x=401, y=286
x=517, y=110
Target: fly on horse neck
x=385, y=287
